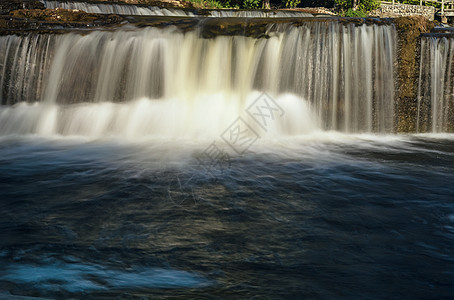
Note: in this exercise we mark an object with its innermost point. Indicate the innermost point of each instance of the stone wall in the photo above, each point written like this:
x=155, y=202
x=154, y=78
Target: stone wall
x=403, y=10
x=409, y=30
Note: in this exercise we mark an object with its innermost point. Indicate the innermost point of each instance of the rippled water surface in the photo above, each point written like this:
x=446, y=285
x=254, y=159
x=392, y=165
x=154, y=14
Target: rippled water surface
x=319, y=216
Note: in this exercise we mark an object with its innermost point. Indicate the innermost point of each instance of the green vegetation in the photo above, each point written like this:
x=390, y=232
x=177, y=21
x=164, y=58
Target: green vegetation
x=251, y=4
x=355, y=13
x=347, y=7
x=344, y=4
x=368, y=5
x=292, y=3
x=207, y=4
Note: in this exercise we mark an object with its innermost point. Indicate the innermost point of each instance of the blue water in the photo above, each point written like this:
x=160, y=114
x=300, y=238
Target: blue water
x=324, y=216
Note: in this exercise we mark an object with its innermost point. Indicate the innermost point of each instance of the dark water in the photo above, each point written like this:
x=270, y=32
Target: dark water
x=331, y=217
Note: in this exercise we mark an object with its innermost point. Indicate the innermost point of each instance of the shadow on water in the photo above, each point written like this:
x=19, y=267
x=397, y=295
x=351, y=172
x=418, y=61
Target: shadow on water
x=363, y=217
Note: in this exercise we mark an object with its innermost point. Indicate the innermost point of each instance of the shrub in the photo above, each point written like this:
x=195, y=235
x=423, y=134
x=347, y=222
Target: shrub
x=292, y=3
x=368, y=5
x=364, y=6
x=251, y=4
x=343, y=5
x=355, y=13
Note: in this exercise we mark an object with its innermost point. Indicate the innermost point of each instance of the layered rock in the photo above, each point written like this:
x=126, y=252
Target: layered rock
x=7, y=6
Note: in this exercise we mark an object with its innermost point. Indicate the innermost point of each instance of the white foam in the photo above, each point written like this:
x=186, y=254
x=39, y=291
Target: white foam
x=206, y=117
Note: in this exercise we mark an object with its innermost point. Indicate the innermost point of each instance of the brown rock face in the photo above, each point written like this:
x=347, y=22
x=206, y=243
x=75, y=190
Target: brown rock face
x=61, y=15
x=22, y=20
x=409, y=30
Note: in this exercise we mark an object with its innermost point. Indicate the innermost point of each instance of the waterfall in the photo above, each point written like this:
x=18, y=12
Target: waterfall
x=325, y=75
x=129, y=9
x=115, y=8
x=436, y=85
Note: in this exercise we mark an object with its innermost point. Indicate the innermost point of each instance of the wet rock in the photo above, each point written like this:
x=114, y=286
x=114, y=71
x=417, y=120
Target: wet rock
x=61, y=15
x=314, y=10
x=21, y=20
x=409, y=30
x=10, y=5
x=59, y=19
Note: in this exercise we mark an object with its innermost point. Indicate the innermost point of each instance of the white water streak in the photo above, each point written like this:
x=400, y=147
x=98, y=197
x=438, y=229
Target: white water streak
x=436, y=85
x=343, y=73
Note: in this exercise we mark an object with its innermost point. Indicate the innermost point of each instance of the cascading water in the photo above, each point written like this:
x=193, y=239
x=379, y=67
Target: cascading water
x=124, y=172
x=125, y=9
x=158, y=81
x=114, y=8
x=436, y=85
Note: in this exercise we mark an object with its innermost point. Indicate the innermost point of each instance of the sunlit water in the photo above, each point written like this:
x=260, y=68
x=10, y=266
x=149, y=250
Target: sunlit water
x=319, y=215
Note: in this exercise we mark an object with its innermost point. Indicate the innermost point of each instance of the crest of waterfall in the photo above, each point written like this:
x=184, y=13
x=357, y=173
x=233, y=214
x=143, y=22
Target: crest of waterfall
x=149, y=80
x=436, y=85
x=139, y=10
x=115, y=8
